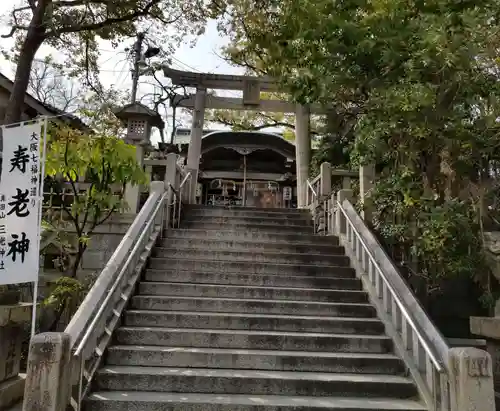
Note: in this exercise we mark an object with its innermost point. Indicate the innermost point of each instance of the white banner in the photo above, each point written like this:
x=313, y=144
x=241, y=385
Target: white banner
x=20, y=204
x=287, y=193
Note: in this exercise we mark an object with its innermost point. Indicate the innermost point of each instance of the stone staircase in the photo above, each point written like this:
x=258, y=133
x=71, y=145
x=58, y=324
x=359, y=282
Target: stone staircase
x=247, y=310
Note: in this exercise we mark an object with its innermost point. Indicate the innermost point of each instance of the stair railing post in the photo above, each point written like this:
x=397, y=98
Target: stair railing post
x=471, y=381
x=325, y=185
x=48, y=376
x=340, y=221
x=170, y=179
x=332, y=206
x=159, y=186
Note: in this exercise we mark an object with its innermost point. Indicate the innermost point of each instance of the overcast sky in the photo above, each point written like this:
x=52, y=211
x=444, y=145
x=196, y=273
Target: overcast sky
x=115, y=69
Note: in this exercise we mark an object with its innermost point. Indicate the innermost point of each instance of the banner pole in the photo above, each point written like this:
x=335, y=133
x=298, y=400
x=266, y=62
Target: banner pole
x=40, y=209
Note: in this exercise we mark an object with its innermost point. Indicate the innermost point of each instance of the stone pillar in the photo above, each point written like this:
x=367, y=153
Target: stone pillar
x=489, y=329
x=340, y=223
x=366, y=179
x=472, y=380
x=48, y=379
x=194, y=150
x=302, y=152
x=133, y=192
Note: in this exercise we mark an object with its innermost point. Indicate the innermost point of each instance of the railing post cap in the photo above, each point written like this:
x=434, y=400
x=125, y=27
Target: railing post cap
x=344, y=194
x=51, y=338
x=49, y=346
x=478, y=363
x=157, y=186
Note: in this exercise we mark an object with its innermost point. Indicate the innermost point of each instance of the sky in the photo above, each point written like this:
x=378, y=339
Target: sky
x=115, y=69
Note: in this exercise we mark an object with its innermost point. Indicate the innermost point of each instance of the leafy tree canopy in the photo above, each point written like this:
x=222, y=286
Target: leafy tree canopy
x=413, y=85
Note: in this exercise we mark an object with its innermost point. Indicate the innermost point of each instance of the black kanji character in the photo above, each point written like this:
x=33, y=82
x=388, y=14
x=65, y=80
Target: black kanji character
x=34, y=191
x=34, y=158
x=2, y=228
x=34, y=168
x=2, y=265
x=2, y=197
x=34, y=179
x=34, y=137
x=20, y=203
x=2, y=206
x=2, y=215
x=17, y=246
x=33, y=147
x=2, y=252
x=2, y=241
x=20, y=159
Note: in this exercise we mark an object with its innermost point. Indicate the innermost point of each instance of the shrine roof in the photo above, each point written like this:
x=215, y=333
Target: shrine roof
x=248, y=139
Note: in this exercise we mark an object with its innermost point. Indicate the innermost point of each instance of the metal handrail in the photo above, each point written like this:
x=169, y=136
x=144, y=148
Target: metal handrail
x=91, y=327
x=315, y=179
x=188, y=175
x=312, y=188
x=78, y=324
x=118, y=279
x=439, y=364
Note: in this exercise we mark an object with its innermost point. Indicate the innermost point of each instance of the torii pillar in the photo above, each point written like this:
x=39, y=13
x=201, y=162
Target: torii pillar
x=302, y=152
x=194, y=149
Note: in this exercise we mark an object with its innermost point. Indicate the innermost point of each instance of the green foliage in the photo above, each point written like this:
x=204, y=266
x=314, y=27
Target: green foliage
x=105, y=163
x=66, y=290
x=414, y=89
x=439, y=240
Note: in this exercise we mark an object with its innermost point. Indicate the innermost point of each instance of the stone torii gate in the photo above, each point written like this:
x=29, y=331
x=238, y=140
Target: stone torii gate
x=251, y=87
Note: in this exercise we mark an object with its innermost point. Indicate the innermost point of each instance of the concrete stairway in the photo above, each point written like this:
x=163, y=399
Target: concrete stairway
x=247, y=310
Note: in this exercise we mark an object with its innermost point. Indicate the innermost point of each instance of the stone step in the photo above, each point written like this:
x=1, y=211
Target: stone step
x=221, y=233
x=242, y=212
x=219, y=381
x=251, y=256
x=188, y=357
x=248, y=267
x=196, y=207
x=238, y=321
x=257, y=292
x=256, y=340
x=160, y=401
x=346, y=282
x=249, y=221
x=256, y=245
x=253, y=227
x=211, y=304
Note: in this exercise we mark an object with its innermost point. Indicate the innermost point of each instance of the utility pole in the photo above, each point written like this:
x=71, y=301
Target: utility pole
x=137, y=59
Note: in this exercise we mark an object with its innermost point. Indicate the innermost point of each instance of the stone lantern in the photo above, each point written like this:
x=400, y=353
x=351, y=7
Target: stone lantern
x=139, y=121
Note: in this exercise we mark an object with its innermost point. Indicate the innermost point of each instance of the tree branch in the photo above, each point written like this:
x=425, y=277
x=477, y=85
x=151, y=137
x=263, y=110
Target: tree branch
x=106, y=22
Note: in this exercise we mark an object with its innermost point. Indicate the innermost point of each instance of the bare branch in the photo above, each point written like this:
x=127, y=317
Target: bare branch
x=16, y=26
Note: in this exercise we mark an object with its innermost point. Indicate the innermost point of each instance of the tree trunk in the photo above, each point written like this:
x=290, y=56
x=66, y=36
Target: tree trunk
x=32, y=42
x=78, y=259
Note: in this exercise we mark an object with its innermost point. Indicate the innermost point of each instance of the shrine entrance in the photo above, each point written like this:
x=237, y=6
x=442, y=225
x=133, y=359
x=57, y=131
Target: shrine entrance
x=247, y=169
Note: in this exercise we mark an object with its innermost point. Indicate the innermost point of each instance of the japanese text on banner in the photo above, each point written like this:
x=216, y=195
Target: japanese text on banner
x=19, y=204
